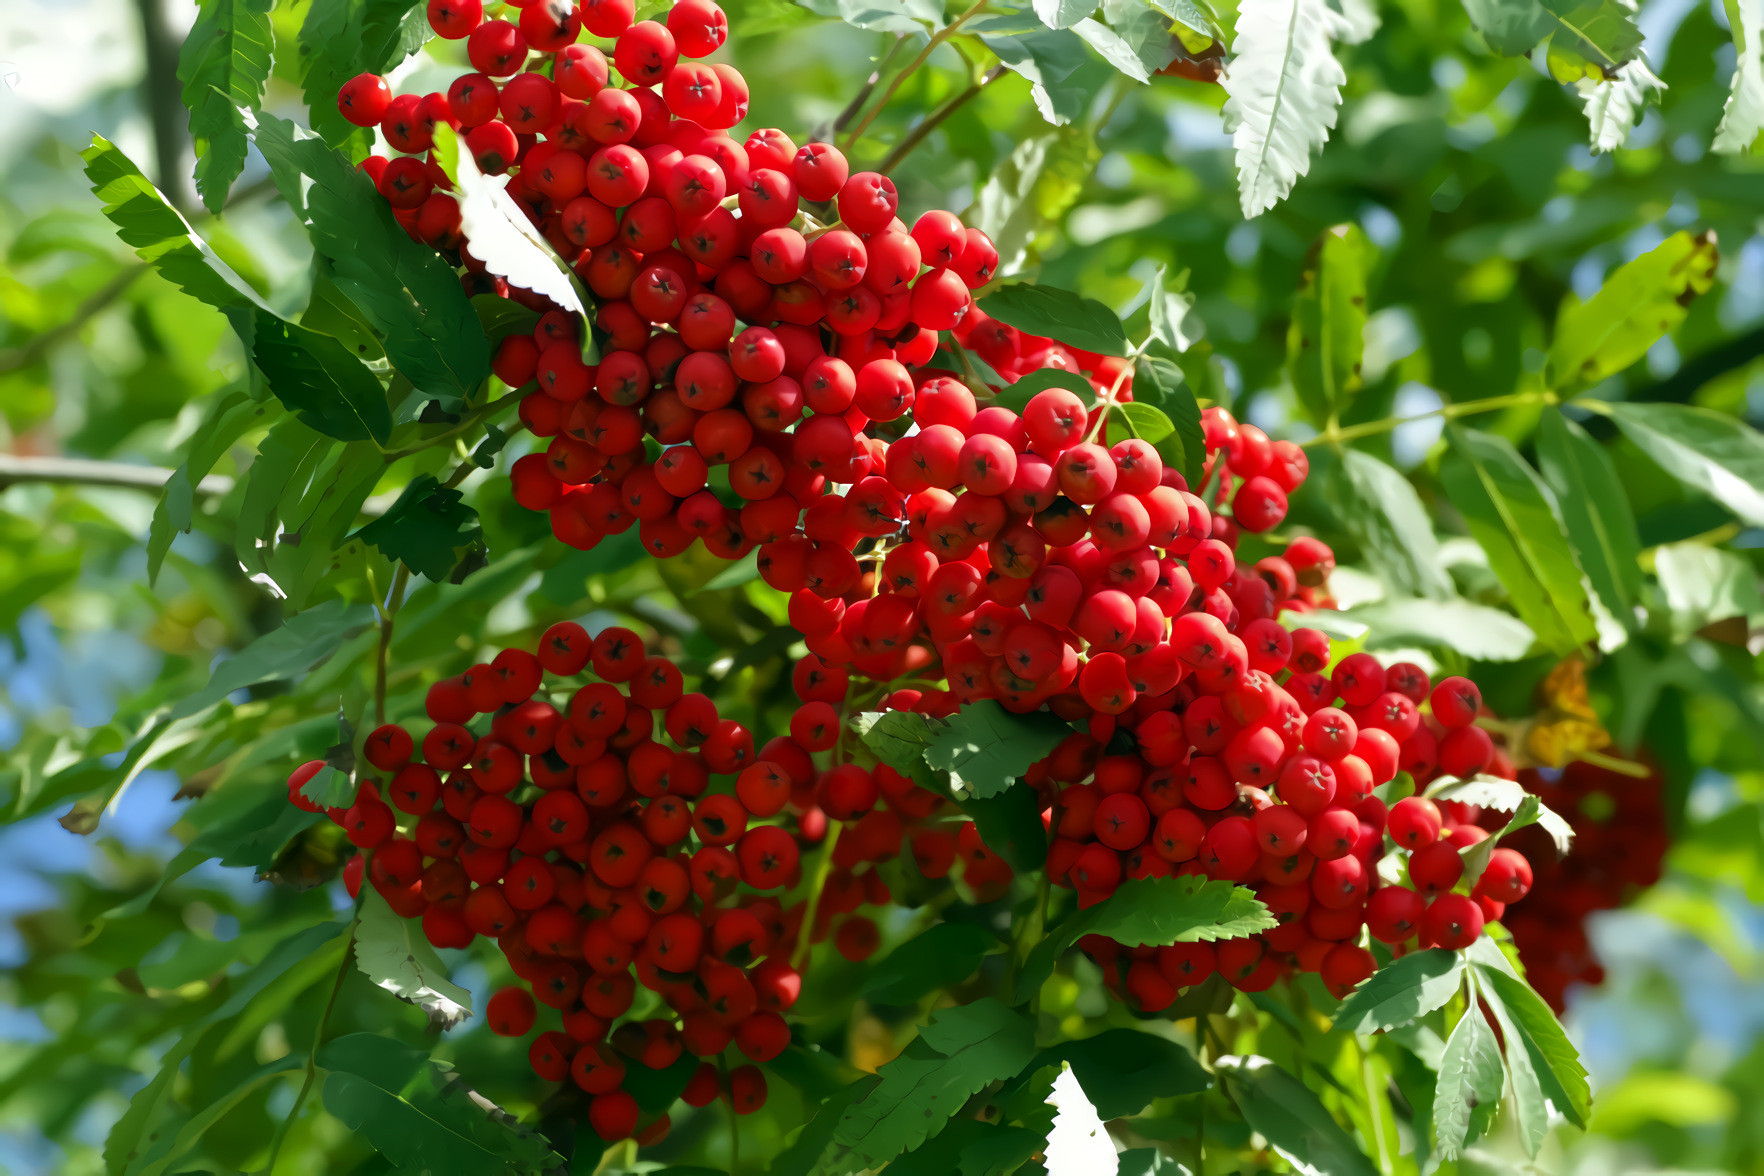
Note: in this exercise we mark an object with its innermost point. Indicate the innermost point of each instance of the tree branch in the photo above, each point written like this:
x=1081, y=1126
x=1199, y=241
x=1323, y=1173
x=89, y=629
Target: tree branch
x=16, y=469
x=164, y=101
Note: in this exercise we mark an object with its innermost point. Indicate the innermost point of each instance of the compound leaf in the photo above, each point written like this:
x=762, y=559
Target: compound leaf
x=425, y=528
x=224, y=65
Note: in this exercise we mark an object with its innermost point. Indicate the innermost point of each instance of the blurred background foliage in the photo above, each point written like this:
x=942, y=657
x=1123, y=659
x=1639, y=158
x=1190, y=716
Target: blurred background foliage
x=1480, y=208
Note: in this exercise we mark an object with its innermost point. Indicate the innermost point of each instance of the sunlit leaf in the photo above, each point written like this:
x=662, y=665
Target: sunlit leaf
x=1639, y=303
x=1514, y=517
x=1058, y=314
x=1326, y=340
x=1285, y=90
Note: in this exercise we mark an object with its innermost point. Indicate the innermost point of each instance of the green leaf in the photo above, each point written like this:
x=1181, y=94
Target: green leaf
x=1469, y=1087
x=1507, y=796
x=314, y=375
x=1326, y=339
x=501, y=317
x=425, y=528
x=419, y=1114
x=1716, y=453
x=342, y=38
x=396, y=955
x=985, y=748
x=1010, y=824
x=1062, y=14
x=887, y=16
x=507, y=243
x=1531, y=1029
x=899, y=739
x=1641, y=302
x=1378, y=506
x=968, y=1147
x=743, y=571
x=802, y=1157
x=123, y=1145
x=1705, y=584
x=1514, y=517
x=1160, y=383
x=282, y=654
x=1602, y=32
x=1283, y=1111
x=1402, y=990
x=1124, y=1070
x=1149, y=1161
x=940, y=957
x=958, y=1053
x=1017, y=395
x=1170, y=311
x=1143, y=421
x=656, y=1090
x=1032, y=189
x=1059, y=314
x=1474, y=630
x=1112, y=47
x=229, y=417
x=170, y=1146
x=1595, y=508
x=402, y=287
x=159, y=234
x=1181, y=909
x=224, y=65
x=1063, y=77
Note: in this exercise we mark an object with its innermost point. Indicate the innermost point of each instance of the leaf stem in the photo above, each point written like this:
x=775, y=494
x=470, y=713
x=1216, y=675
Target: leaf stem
x=1335, y=435
x=1108, y=400
x=935, y=119
x=389, y=614
x=464, y=425
x=939, y=37
x=823, y=868
x=318, y=1037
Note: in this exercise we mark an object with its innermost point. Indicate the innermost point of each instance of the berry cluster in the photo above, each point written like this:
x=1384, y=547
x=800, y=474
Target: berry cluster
x=1620, y=838
x=752, y=341
x=1271, y=786
x=774, y=374
x=619, y=831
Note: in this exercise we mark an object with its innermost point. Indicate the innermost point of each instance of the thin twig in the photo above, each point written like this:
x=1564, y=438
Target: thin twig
x=936, y=117
x=16, y=358
x=473, y=419
x=939, y=37
x=823, y=868
x=869, y=87
x=1450, y=412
